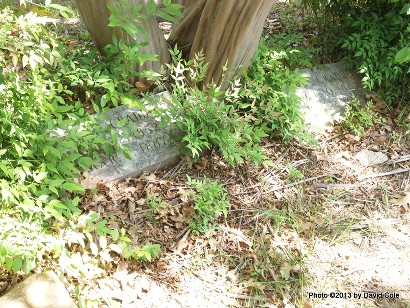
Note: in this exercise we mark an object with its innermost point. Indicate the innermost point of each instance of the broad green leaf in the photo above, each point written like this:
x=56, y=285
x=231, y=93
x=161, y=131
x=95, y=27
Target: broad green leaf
x=151, y=7
x=165, y=16
x=40, y=176
x=403, y=55
x=405, y=9
x=19, y=149
x=53, y=189
x=57, y=204
x=56, y=182
x=174, y=9
x=17, y=263
x=28, y=265
x=73, y=187
x=63, y=109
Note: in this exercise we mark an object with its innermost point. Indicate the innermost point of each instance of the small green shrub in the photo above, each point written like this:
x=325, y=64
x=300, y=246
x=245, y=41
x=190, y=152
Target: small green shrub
x=47, y=138
x=156, y=203
x=268, y=96
x=372, y=43
x=206, y=117
x=294, y=174
x=372, y=37
x=210, y=202
x=22, y=241
x=358, y=118
x=103, y=240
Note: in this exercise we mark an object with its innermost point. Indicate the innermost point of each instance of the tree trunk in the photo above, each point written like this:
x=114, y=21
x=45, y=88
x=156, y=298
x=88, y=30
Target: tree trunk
x=226, y=31
x=95, y=14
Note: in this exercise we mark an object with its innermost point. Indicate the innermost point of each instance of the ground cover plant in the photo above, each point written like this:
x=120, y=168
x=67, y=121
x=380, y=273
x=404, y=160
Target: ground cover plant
x=216, y=230
x=47, y=137
x=372, y=38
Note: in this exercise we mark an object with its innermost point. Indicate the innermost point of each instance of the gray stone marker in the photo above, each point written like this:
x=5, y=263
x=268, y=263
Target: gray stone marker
x=324, y=100
x=151, y=146
x=42, y=290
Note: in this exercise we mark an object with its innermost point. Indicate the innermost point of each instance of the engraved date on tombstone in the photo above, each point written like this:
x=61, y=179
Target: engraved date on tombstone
x=330, y=89
x=151, y=146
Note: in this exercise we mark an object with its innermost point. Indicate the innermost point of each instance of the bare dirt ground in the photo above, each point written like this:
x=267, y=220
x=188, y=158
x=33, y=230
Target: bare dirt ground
x=282, y=245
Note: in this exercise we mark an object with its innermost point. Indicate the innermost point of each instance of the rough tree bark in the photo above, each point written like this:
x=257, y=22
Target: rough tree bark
x=95, y=14
x=226, y=31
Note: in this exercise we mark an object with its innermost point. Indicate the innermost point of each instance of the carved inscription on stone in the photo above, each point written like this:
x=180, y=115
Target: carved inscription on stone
x=152, y=146
x=324, y=100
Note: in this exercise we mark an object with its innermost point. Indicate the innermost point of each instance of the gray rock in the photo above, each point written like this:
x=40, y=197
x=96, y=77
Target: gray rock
x=152, y=147
x=43, y=290
x=370, y=158
x=324, y=100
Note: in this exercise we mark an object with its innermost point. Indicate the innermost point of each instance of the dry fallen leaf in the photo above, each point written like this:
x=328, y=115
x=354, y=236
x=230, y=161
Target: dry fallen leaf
x=401, y=199
x=141, y=201
x=183, y=194
x=183, y=242
x=131, y=206
x=142, y=87
x=3, y=286
x=149, y=177
x=285, y=270
x=89, y=182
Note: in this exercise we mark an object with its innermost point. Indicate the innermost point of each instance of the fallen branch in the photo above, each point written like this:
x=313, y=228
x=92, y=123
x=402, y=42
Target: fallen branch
x=397, y=159
x=401, y=170
x=331, y=185
x=298, y=182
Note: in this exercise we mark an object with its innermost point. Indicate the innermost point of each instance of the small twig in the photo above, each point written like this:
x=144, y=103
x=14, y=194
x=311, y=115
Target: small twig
x=170, y=173
x=298, y=182
x=330, y=185
x=399, y=159
x=401, y=170
x=183, y=242
x=281, y=157
x=333, y=137
x=247, y=297
x=343, y=274
x=299, y=162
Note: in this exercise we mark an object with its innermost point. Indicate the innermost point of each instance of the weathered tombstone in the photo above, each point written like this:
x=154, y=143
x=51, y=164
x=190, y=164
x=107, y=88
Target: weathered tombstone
x=42, y=290
x=152, y=147
x=331, y=88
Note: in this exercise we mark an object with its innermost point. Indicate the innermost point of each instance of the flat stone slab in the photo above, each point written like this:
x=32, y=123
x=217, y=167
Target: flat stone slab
x=324, y=100
x=42, y=290
x=152, y=146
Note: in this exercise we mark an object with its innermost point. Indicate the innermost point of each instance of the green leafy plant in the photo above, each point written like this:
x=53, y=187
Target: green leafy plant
x=158, y=207
x=47, y=138
x=207, y=117
x=294, y=174
x=280, y=217
x=269, y=92
x=210, y=202
x=156, y=203
x=22, y=241
x=103, y=240
x=358, y=118
x=372, y=45
x=372, y=37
